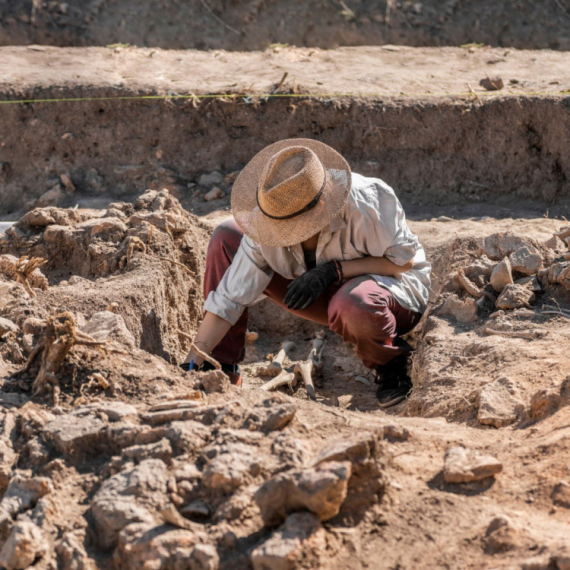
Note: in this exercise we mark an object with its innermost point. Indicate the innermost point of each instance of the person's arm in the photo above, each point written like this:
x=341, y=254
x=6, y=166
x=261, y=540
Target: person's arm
x=374, y=266
x=210, y=333
x=242, y=284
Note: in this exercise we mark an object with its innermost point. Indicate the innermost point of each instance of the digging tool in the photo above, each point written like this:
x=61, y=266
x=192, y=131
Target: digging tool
x=305, y=367
x=275, y=367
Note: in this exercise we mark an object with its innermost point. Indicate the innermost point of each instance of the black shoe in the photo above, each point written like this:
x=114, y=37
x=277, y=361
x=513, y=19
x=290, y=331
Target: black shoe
x=394, y=384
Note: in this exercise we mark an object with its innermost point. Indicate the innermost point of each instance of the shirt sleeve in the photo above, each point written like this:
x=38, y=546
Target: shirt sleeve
x=384, y=227
x=242, y=284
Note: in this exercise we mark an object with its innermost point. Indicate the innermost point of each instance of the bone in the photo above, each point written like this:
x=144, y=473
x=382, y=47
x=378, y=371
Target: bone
x=282, y=379
x=275, y=367
x=469, y=286
x=306, y=367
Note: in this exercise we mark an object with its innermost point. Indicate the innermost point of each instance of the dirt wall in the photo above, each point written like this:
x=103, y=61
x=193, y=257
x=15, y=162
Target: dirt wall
x=255, y=24
x=431, y=152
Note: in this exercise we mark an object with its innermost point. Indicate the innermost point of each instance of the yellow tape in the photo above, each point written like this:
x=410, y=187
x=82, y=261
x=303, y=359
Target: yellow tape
x=252, y=96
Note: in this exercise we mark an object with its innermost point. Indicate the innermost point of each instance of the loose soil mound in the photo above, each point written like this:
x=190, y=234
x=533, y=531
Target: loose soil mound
x=121, y=460
x=254, y=24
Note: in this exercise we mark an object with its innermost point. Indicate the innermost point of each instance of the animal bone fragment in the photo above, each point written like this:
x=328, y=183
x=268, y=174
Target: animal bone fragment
x=305, y=368
x=468, y=285
x=528, y=334
x=281, y=379
x=275, y=367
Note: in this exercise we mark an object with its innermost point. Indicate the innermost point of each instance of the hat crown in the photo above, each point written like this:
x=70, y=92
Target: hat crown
x=291, y=183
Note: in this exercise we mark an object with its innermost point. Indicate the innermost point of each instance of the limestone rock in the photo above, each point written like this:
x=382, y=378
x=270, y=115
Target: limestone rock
x=321, y=490
x=561, y=494
x=300, y=541
x=273, y=413
x=23, y=493
x=24, y=546
x=214, y=381
x=464, y=466
x=71, y=434
x=128, y=497
x=72, y=554
x=502, y=275
x=501, y=536
x=499, y=245
x=463, y=310
x=544, y=402
x=6, y=326
x=159, y=450
x=526, y=260
x=113, y=409
x=356, y=450
x=107, y=325
x=168, y=549
x=210, y=179
x=499, y=403
x=228, y=470
x=479, y=272
x=52, y=196
x=555, y=243
x=110, y=229
x=515, y=297
x=559, y=274
x=214, y=194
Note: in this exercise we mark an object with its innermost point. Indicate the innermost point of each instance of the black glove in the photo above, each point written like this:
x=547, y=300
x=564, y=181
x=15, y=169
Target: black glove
x=306, y=289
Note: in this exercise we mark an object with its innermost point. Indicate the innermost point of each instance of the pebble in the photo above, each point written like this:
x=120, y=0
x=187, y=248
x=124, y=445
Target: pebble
x=214, y=194
x=492, y=83
x=210, y=179
x=465, y=466
x=499, y=403
x=502, y=275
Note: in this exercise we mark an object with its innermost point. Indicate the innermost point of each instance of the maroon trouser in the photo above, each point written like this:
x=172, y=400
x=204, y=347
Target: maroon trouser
x=361, y=311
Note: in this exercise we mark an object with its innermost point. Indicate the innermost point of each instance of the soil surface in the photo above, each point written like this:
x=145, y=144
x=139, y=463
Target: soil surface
x=256, y=24
x=416, y=117
x=113, y=456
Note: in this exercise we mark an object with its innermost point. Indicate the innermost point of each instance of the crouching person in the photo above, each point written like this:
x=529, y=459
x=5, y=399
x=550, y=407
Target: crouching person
x=326, y=244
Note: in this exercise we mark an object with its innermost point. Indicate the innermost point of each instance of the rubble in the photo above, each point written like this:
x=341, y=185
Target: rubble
x=502, y=275
x=6, y=326
x=24, y=546
x=321, y=490
x=515, y=297
x=526, y=260
x=466, y=466
x=500, y=403
x=300, y=540
x=463, y=310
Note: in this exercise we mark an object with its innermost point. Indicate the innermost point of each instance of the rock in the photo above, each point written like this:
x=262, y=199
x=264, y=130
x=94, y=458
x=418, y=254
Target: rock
x=531, y=282
x=559, y=274
x=499, y=403
x=526, y=260
x=128, y=497
x=214, y=194
x=214, y=381
x=144, y=546
x=72, y=554
x=210, y=179
x=52, y=196
x=71, y=434
x=230, y=469
x=555, y=243
x=515, y=297
x=33, y=325
x=502, y=275
x=24, y=546
x=499, y=245
x=479, y=272
x=274, y=413
x=159, y=450
x=300, y=542
x=23, y=493
x=6, y=326
x=463, y=310
x=357, y=450
x=67, y=182
x=196, y=509
x=114, y=410
x=107, y=325
x=321, y=490
x=465, y=466
x=544, y=402
x=501, y=536
x=188, y=436
x=492, y=83
x=561, y=494
x=110, y=229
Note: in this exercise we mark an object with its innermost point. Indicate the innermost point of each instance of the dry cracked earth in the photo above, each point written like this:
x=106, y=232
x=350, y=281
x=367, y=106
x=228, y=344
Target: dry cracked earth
x=113, y=457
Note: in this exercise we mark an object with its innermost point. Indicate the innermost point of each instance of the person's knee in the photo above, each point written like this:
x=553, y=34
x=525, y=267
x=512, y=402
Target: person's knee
x=225, y=236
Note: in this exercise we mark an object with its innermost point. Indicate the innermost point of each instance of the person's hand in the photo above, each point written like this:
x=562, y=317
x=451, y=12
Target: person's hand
x=307, y=288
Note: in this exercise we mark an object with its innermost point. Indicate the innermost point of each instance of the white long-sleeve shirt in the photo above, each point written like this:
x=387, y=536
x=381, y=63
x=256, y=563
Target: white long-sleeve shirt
x=372, y=223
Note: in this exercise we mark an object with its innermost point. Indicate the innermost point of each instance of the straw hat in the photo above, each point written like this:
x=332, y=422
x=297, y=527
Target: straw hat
x=290, y=191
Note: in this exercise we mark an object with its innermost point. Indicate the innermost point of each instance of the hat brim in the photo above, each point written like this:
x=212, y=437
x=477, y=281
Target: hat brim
x=283, y=233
